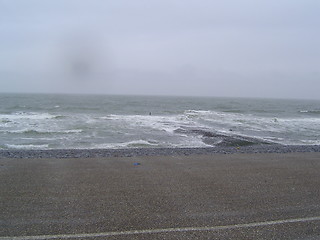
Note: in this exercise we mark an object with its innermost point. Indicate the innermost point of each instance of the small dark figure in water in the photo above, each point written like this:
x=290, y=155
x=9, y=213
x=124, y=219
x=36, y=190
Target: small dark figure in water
x=150, y=113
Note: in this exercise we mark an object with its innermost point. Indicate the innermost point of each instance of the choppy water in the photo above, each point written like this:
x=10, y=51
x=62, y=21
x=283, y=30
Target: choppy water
x=73, y=121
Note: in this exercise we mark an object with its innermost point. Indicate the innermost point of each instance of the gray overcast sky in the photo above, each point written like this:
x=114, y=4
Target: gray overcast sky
x=240, y=48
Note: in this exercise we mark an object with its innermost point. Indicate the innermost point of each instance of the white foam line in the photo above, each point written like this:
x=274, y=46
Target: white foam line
x=164, y=230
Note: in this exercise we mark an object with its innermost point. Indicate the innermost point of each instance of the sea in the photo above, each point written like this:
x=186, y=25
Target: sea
x=56, y=121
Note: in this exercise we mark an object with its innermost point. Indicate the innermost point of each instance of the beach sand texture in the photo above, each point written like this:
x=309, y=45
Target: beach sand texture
x=163, y=197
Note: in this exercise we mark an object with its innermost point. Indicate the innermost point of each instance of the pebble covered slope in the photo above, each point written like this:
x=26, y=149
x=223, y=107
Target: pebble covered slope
x=99, y=153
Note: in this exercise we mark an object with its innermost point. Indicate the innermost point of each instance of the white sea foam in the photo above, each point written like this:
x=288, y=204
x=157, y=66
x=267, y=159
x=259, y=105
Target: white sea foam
x=249, y=121
x=314, y=142
x=310, y=111
x=110, y=121
x=27, y=146
x=71, y=131
x=191, y=142
x=188, y=142
x=130, y=144
x=162, y=123
x=27, y=115
x=241, y=124
x=265, y=128
x=38, y=131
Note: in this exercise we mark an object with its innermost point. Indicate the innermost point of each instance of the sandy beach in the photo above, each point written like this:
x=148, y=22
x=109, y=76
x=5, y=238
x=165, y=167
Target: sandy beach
x=200, y=196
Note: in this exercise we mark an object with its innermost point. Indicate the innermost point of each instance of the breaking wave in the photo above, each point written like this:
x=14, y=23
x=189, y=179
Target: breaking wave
x=315, y=112
x=41, y=132
x=112, y=122
x=27, y=146
x=28, y=115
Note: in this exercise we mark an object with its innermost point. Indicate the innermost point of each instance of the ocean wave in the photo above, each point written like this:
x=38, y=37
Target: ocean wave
x=311, y=142
x=41, y=132
x=192, y=114
x=27, y=115
x=188, y=141
x=27, y=146
x=200, y=119
x=5, y=121
x=197, y=112
x=190, y=128
x=226, y=121
x=316, y=112
x=130, y=144
x=60, y=117
x=259, y=123
x=161, y=123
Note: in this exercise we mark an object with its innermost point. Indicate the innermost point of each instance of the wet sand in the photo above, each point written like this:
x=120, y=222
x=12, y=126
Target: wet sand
x=200, y=196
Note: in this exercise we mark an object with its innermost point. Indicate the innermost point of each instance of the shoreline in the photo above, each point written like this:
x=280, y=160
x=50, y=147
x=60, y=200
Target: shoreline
x=134, y=152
